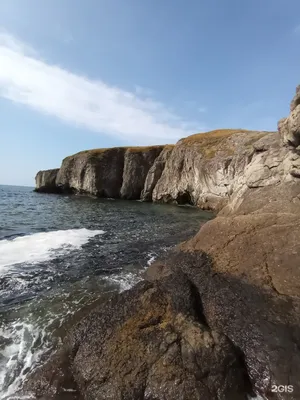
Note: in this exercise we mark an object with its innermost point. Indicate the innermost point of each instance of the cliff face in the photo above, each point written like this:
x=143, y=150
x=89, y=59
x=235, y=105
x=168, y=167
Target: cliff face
x=203, y=170
x=96, y=172
x=46, y=181
x=289, y=129
x=137, y=163
x=208, y=170
x=290, y=126
x=116, y=172
x=155, y=172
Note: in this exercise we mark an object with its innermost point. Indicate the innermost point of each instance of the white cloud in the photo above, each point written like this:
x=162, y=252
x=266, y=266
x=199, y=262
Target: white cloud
x=202, y=109
x=12, y=43
x=25, y=78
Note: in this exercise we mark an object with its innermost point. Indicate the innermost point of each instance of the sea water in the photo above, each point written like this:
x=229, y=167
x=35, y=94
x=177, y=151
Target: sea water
x=59, y=254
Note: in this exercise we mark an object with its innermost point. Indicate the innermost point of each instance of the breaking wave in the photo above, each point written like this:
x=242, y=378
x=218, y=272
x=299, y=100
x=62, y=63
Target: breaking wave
x=43, y=246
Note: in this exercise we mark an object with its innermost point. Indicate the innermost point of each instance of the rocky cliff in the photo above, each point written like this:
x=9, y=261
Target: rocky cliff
x=46, y=181
x=289, y=127
x=202, y=169
x=83, y=172
x=116, y=172
x=208, y=170
x=218, y=318
x=137, y=163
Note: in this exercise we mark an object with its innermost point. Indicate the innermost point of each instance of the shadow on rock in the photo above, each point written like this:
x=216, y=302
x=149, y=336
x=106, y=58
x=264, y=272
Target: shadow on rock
x=263, y=324
x=151, y=342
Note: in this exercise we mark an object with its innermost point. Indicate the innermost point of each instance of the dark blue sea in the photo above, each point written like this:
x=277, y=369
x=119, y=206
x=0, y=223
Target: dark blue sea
x=58, y=254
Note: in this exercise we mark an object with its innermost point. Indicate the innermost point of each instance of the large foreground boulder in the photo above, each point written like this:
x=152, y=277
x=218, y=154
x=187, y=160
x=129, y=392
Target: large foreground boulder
x=151, y=342
x=252, y=291
x=246, y=306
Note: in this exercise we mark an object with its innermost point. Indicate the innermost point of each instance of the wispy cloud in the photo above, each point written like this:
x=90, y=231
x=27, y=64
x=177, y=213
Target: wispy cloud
x=26, y=78
x=10, y=42
x=202, y=109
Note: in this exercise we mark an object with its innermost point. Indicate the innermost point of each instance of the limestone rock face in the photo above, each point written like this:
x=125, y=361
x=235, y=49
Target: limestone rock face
x=116, y=172
x=296, y=100
x=155, y=173
x=98, y=172
x=149, y=343
x=289, y=127
x=137, y=163
x=270, y=165
x=208, y=170
x=203, y=169
x=45, y=181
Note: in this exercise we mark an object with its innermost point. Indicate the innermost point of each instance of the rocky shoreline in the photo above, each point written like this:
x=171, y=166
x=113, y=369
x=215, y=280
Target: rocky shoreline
x=219, y=318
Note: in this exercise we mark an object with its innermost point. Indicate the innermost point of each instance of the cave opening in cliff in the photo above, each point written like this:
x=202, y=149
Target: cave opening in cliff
x=184, y=198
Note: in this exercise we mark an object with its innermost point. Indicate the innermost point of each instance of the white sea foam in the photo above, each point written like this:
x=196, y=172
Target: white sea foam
x=125, y=281
x=20, y=356
x=43, y=246
x=152, y=258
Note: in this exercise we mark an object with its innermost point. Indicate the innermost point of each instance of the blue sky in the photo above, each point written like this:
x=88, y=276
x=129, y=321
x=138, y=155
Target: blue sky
x=80, y=74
